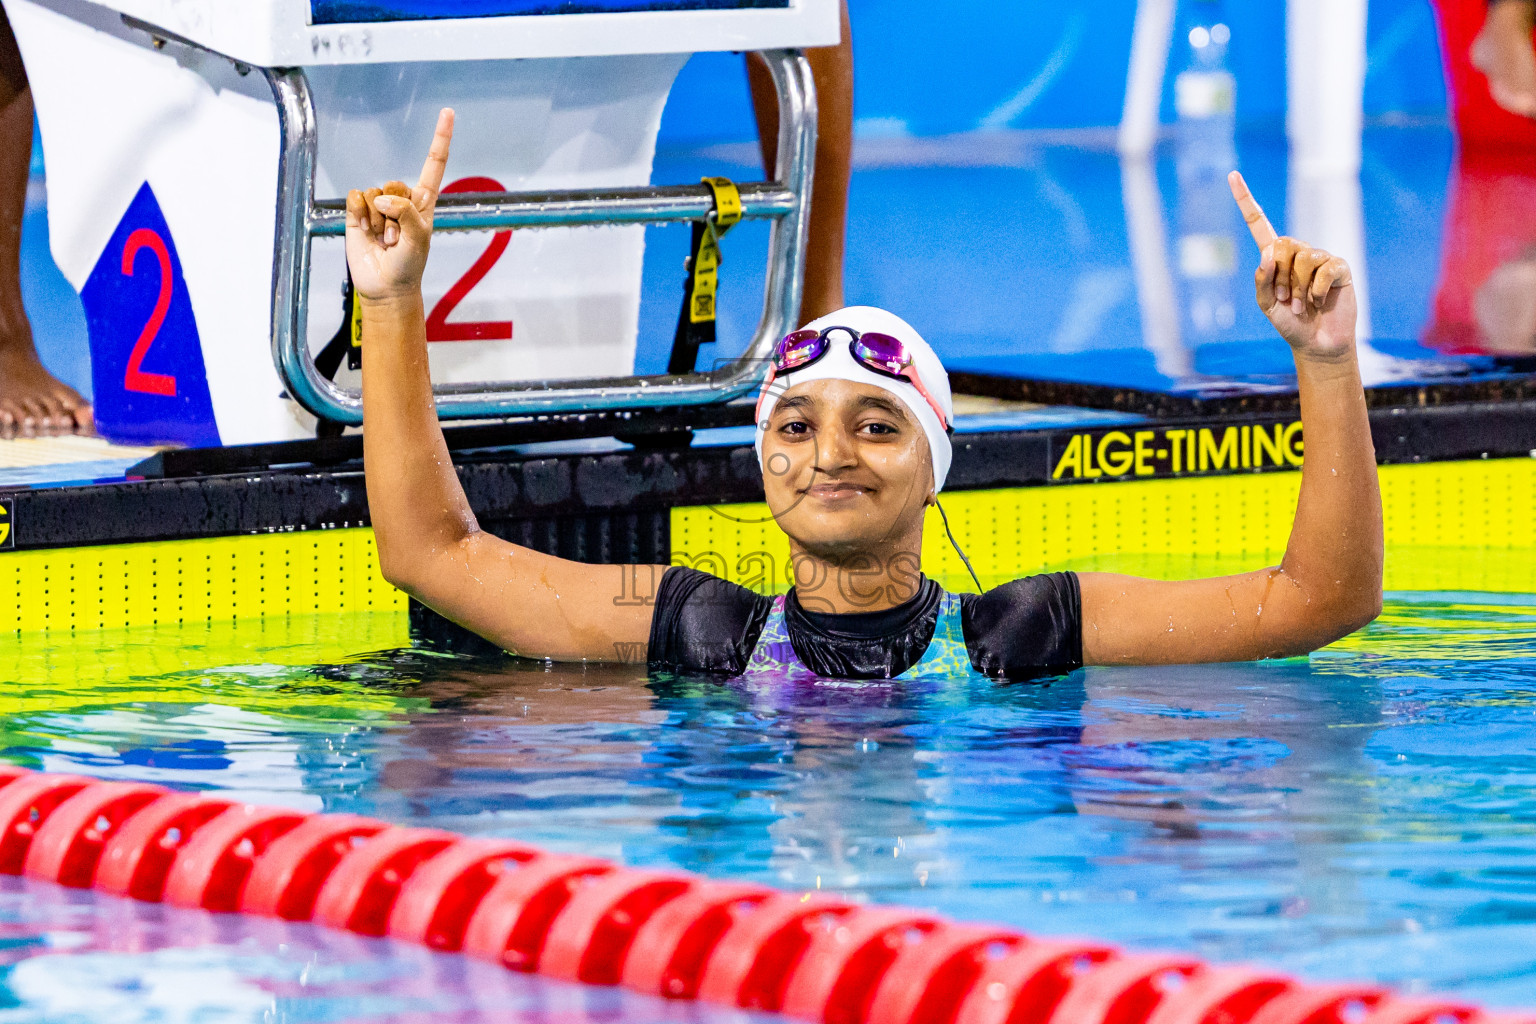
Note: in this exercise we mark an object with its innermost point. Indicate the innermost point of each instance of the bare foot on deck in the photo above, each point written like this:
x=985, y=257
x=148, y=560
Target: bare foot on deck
x=1503, y=51
x=32, y=401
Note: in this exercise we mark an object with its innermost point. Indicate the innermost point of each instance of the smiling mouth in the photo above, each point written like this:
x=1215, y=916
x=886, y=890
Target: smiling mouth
x=836, y=491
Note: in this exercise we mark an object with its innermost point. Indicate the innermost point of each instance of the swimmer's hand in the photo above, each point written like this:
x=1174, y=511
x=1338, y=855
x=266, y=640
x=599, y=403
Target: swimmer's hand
x=389, y=229
x=1307, y=294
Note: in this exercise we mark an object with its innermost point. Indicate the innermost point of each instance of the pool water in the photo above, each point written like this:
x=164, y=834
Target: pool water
x=69, y=956
x=1369, y=813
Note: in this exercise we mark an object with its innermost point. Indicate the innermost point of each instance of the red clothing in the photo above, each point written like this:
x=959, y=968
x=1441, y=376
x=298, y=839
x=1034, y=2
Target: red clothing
x=1491, y=220
x=1480, y=122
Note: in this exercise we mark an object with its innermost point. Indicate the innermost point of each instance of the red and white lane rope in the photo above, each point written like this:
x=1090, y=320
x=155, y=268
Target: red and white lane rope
x=664, y=933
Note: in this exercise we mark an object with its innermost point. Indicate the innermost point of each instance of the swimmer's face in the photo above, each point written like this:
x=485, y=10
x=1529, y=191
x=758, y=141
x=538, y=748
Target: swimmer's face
x=846, y=467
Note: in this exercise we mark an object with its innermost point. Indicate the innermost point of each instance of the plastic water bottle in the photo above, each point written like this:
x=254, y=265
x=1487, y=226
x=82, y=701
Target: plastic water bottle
x=1205, y=98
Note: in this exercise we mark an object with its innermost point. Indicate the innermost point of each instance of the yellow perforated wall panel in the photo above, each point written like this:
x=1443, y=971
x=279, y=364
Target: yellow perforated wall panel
x=217, y=579
x=1449, y=526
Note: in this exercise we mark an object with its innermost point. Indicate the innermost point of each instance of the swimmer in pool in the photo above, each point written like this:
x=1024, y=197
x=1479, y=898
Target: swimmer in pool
x=853, y=437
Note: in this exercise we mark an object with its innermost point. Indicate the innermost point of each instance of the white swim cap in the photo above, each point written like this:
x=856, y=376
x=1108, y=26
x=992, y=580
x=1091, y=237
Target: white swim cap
x=839, y=364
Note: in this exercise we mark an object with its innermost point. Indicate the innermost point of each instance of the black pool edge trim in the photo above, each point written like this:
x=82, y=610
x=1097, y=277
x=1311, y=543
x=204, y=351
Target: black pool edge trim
x=647, y=429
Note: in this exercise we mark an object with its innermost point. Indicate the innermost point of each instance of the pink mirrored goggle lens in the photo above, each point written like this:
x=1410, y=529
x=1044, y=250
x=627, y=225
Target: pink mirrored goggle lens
x=885, y=354
x=798, y=349
x=882, y=353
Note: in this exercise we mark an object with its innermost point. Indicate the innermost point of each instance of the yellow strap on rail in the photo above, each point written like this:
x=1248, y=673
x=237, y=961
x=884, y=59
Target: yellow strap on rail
x=706, y=252
x=727, y=203
x=355, y=350
x=696, y=325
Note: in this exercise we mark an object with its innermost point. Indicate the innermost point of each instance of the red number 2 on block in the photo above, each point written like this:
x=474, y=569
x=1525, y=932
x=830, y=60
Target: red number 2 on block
x=438, y=327
x=135, y=379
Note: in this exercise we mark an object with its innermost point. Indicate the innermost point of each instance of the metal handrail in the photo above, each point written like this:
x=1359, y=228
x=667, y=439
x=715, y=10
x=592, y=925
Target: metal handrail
x=786, y=202
x=652, y=204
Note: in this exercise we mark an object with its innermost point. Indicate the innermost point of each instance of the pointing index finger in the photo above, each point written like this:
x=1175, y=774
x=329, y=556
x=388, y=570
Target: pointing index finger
x=1253, y=214
x=437, y=157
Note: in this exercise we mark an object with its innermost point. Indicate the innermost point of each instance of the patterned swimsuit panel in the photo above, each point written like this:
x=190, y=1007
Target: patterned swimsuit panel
x=946, y=657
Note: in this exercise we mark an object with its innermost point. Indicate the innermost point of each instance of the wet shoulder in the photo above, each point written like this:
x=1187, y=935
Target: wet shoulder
x=703, y=623
x=1025, y=629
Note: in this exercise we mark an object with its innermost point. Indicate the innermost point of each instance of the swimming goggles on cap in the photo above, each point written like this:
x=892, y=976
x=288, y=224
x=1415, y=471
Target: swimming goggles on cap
x=878, y=352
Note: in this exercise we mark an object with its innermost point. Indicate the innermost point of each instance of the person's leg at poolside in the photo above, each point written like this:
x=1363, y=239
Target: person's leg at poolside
x=31, y=399
x=1504, y=53
x=832, y=68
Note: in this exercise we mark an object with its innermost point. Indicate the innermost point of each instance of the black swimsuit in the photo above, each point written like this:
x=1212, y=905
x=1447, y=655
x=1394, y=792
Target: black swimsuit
x=1021, y=630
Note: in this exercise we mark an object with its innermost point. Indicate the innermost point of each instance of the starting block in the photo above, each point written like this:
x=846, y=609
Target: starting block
x=199, y=151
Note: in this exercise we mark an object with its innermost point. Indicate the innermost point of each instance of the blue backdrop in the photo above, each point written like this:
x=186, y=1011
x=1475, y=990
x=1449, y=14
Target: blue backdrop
x=930, y=68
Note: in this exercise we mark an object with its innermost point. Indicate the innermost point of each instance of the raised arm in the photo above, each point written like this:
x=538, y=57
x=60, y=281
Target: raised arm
x=1329, y=582
x=430, y=544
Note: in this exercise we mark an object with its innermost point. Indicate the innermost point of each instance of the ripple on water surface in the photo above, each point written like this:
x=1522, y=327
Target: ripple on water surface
x=1367, y=813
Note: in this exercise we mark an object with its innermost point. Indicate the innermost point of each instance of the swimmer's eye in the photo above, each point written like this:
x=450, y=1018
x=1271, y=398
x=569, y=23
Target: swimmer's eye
x=795, y=427
x=881, y=429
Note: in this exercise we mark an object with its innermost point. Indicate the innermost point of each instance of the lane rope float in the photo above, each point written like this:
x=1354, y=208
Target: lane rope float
x=663, y=933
